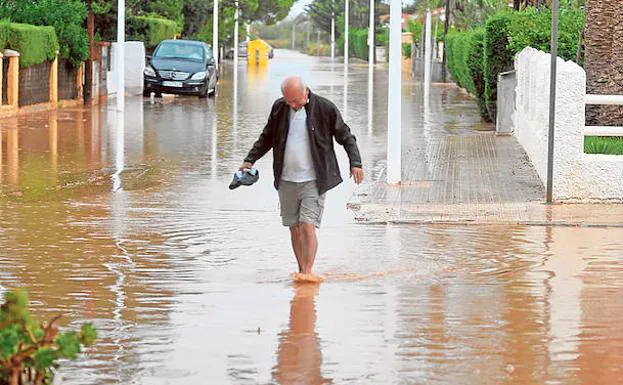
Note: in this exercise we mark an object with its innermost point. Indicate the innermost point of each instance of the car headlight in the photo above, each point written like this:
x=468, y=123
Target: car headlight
x=148, y=71
x=199, y=76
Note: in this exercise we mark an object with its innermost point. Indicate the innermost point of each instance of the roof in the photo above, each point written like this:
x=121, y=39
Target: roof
x=191, y=42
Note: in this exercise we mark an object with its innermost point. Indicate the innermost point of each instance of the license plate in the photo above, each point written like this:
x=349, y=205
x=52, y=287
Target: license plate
x=172, y=84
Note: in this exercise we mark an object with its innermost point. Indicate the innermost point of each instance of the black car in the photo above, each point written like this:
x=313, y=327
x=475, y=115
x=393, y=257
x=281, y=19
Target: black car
x=184, y=67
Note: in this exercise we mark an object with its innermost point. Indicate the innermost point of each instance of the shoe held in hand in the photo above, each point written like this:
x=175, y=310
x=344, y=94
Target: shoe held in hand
x=244, y=178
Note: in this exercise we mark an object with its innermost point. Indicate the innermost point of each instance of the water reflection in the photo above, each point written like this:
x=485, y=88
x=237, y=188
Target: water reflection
x=119, y=150
x=12, y=149
x=179, y=274
x=299, y=358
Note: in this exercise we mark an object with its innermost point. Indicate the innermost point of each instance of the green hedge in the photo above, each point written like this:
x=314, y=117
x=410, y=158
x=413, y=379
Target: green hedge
x=66, y=16
x=358, y=43
x=150, y=29
x=465, y=52
x=476, y=64
x=35, y=44
x=507, y=33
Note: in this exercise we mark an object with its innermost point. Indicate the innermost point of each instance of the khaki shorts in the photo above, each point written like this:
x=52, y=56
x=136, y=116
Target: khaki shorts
x=300, y=203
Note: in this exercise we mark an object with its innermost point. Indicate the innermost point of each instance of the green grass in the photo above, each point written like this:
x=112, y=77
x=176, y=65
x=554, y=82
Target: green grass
x=603, y=145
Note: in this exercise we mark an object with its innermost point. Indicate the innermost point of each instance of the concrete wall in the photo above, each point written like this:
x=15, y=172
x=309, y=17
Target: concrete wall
x=577, y=176
x=134, y=66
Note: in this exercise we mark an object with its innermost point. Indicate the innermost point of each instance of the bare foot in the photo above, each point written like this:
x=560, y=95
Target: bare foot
x=311, y=278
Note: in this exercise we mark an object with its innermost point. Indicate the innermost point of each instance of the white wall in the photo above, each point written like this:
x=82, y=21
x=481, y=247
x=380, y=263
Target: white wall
x=134, y=65
x=577, y=176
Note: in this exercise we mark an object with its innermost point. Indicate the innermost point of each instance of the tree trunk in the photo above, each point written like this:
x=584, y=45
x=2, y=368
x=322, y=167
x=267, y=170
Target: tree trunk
x=604, y=55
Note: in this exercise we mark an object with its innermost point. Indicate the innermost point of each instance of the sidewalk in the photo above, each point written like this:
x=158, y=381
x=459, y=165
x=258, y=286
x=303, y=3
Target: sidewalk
x=454, y=172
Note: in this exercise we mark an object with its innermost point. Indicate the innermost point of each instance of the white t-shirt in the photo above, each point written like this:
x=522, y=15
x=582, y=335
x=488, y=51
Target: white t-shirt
x=298, y=165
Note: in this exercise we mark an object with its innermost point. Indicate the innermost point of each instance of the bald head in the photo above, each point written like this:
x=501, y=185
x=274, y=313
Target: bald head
x=293, y=83
x=294, y=92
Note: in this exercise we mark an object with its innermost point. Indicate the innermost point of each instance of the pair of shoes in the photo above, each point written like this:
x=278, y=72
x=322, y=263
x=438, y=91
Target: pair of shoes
x=244, y=178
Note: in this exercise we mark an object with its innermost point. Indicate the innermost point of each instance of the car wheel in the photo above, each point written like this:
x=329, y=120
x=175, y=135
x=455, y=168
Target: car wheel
x=213, y=93
x=146, y=93
x=204, y=94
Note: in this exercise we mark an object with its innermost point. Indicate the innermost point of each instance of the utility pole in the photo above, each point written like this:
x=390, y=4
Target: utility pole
x=394, y=100
x=215, y=33
x=120, y=55
x=346, y=21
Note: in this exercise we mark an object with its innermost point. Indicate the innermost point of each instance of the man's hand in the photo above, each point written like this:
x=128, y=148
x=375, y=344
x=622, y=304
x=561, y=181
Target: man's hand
x=246, y=166
x=357, y=174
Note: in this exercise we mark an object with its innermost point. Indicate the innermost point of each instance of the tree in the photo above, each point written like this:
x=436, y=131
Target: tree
x=604, y=57
x=320, y=11
x=269, y=11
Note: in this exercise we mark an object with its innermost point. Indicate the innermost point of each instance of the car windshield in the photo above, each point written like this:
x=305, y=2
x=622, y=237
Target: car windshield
x=180, y=50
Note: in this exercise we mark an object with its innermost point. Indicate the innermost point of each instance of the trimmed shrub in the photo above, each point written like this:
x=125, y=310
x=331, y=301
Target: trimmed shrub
x=66, y=16
x=507, y=33
x=498, y=57
x=476, y=65
x=4, y=33
x=35, y=44
x=358, y=44
x=465, y=62
x=151, y=29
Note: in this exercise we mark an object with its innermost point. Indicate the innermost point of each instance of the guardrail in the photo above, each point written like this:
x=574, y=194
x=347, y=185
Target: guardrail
x=611, y=100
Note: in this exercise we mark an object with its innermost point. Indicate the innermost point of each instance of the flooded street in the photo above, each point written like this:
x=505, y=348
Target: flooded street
x=127, y=221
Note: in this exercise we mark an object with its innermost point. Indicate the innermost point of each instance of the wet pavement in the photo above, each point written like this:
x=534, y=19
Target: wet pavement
x=127, y=221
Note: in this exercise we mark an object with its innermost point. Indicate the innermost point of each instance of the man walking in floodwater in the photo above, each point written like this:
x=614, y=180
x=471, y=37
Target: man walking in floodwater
x=300, y=131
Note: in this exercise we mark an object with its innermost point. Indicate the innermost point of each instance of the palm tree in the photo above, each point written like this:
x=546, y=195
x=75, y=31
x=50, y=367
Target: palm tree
x=603, y=57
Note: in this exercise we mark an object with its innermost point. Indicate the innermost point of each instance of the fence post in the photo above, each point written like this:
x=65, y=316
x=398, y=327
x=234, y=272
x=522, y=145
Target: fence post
x=53, y=92
x=13, y=78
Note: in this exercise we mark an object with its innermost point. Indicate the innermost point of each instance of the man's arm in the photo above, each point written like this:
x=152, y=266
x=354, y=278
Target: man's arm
x=262, y=144
x=343, y=136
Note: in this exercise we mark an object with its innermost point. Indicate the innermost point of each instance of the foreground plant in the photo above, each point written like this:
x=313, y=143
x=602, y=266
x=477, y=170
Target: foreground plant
x=29, y=352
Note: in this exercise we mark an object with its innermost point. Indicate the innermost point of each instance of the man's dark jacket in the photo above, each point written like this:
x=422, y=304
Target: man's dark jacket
x=324, y=122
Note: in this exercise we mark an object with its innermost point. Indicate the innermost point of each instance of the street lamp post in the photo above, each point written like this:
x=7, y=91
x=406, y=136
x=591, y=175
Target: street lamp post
x=346, y=21
x=215, y=32
x=236, y=17
x=371, y=36
x=552, y=104
x=120, y=55
x=394, y=100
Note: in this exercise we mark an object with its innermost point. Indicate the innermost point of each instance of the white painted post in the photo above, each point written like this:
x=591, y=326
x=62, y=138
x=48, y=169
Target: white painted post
x=293, y=36
x=248, y=33
x=371, y=36
x=120, y=54
x=236, y=17
x=346, y=12
x=215, y=32
x=427, y=54
x=394, y=100
x=332, y=36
